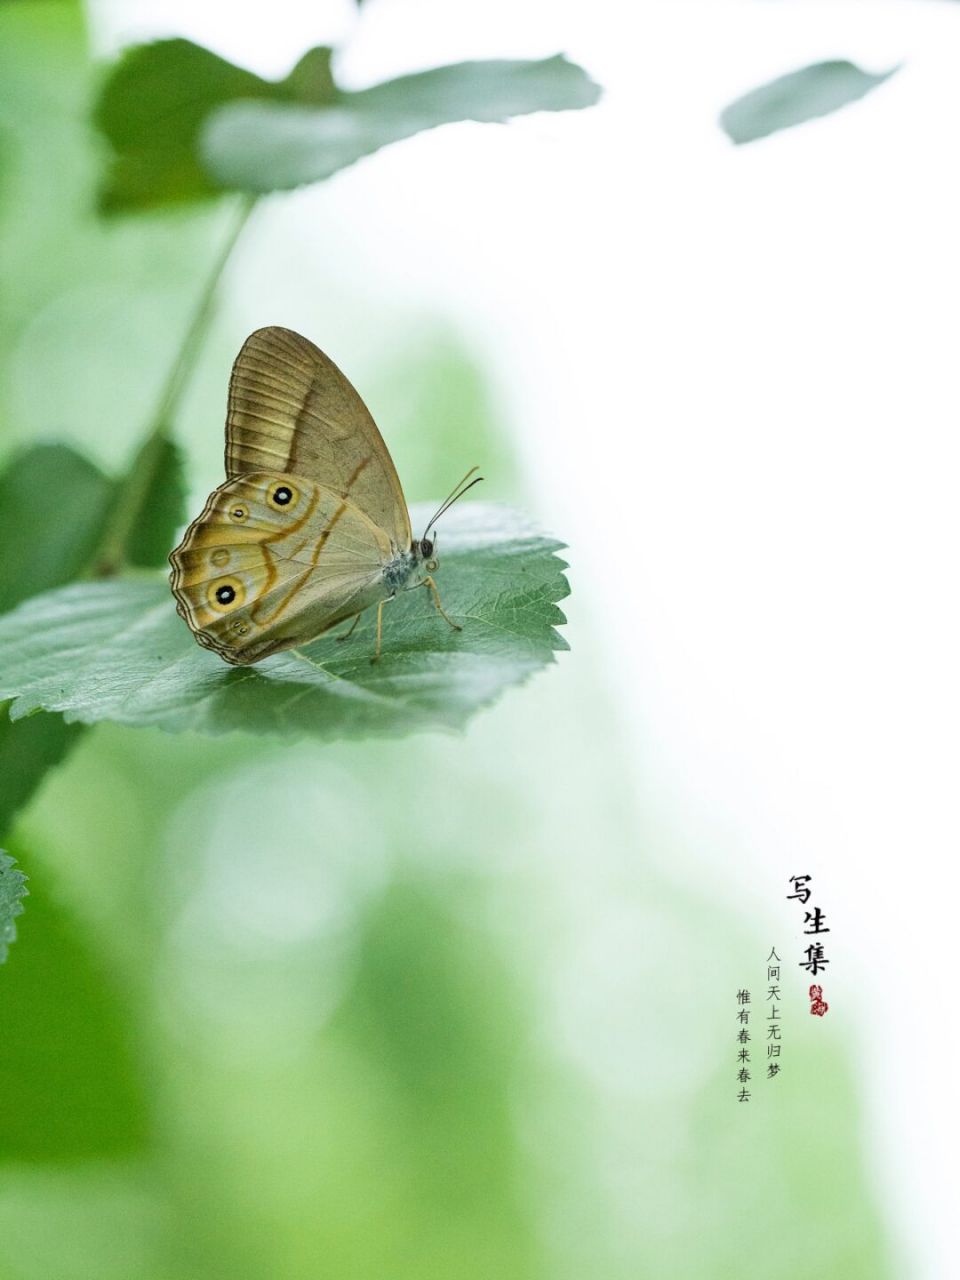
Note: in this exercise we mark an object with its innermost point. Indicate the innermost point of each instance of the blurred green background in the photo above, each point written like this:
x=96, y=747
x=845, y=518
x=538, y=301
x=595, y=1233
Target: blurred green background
x=417, y=1009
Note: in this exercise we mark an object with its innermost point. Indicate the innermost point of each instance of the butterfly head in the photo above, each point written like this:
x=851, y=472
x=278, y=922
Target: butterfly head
x=425, y=549
x=425, y=553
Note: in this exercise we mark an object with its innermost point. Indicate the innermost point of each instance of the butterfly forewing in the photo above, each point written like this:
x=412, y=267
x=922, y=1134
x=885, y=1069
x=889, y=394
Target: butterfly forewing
x=291, y=411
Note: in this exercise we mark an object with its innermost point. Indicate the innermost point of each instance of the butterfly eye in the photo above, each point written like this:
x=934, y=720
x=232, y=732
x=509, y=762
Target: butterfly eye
x=282, y=496
x=239, y=513
x=225, y=593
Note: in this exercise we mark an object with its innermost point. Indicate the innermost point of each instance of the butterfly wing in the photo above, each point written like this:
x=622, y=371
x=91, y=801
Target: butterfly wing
x=274, y=560
x=291, y=411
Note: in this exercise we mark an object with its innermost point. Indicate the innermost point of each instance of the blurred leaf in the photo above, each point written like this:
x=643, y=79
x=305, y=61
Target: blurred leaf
x=802, y=95
x=154, y=102
x=436, y=1018
x=423, y=1005
x=68, y=1078
x=53, y=505
x=13, y=889
x=6, y=148
x=437, y=397
x=85, y=1221
x=267, y=146
x=117, y=650
x=28, y=750
x=184, y=123
x=159, y=507
x=311, y=80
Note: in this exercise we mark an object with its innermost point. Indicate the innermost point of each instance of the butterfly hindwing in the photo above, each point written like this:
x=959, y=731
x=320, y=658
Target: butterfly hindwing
x=273, y=558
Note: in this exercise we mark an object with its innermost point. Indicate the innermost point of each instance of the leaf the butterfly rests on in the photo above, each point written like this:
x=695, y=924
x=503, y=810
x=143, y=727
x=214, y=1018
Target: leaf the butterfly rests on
x=133, y=662
x=311, y=526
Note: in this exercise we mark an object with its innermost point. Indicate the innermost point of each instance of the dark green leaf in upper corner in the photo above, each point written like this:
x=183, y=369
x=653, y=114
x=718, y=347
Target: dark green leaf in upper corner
x=183, y=123
x=117, y=650
x=802, y=95
x=13, y=889
x=269, y=146
x=154, y=102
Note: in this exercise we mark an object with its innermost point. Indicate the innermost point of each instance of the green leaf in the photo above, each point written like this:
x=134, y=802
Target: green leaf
x=70, y=1081
x=117, y=650
x=160, y=511
x=53, y=504
x=802, y=95
x=45, y=544
x=13, y=889
x=184, y=123
x=152, y=106
x=311, y=80
x=268, y=146
x=28, y=750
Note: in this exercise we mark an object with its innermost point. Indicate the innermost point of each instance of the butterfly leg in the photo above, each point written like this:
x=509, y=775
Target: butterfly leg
x=376, y=656
x=429, y=582
x=350, y=630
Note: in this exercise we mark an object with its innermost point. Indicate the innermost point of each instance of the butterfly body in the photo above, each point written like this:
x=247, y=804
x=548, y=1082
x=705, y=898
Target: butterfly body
x=310, y=527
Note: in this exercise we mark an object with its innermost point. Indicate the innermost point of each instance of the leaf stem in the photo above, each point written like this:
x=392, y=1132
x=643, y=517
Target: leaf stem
x=134, y=488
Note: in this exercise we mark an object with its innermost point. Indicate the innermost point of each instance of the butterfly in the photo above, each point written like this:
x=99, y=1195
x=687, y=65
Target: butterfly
x=311, y=526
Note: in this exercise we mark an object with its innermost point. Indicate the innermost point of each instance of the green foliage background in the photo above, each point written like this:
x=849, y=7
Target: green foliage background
x=355, y=1009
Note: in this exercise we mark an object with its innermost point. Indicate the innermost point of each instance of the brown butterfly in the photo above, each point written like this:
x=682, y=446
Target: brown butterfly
x=311, y=526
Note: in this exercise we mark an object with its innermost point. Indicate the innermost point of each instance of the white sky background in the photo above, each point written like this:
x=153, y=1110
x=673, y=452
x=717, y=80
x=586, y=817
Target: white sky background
x=735, y=371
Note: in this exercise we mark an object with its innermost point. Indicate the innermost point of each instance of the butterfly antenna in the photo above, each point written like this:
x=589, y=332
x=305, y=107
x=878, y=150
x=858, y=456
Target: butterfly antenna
x=458, y=490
